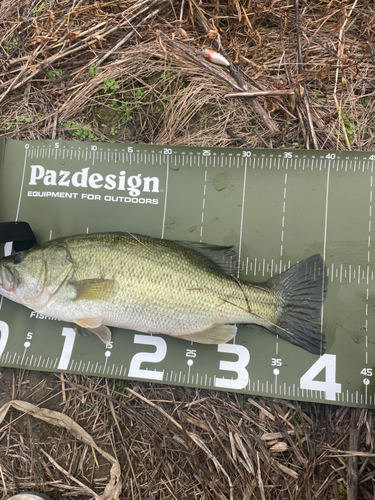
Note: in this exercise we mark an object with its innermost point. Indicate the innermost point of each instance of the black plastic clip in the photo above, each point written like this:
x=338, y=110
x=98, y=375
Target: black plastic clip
x=20, y=233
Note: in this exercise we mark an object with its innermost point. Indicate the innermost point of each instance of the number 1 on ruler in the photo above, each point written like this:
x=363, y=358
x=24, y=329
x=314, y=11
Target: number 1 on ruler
x=70, y=336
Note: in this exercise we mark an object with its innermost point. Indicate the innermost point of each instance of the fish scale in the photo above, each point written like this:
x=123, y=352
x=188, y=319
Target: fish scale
x=168, y=284
x=276, y=206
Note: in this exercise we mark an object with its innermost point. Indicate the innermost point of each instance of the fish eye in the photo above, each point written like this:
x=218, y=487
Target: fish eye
x=18, y=258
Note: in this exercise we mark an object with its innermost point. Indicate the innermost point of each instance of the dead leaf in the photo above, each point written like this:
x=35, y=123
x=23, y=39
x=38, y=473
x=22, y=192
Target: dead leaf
x=183, y=32
x=113, y=488
x=280, y=447
x=324, y=72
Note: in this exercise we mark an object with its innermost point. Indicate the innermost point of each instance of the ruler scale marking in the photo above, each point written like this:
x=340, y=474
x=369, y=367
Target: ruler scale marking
x=353, y=273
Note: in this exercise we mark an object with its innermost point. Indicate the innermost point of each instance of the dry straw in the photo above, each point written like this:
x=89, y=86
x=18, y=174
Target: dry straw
x=134, y=71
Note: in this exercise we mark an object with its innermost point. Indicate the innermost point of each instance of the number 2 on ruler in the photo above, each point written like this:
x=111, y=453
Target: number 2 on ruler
x=135, y=369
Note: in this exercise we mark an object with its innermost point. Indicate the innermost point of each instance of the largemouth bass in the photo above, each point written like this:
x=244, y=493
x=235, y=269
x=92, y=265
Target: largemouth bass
x=185, y=290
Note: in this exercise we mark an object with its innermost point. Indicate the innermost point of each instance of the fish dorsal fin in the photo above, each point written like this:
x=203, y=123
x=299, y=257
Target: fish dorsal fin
x=94, y=325
x=94, y=289
x=218, y=334
x=226, y=257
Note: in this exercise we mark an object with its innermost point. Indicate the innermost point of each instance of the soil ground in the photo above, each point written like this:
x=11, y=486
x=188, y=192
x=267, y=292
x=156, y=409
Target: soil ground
x=134, y=71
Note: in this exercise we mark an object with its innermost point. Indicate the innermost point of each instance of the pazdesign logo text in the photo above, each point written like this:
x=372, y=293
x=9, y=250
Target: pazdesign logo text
x=134, y=184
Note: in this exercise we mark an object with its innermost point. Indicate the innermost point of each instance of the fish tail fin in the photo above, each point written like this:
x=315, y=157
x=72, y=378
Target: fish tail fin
x=302, y=290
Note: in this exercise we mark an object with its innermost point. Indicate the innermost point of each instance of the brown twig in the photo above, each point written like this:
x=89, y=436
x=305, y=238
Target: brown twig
x=261, y=138
x=260, y=93
x=309, y=119
x=372, y=51
x=299, y=44
x=232, y=304
x=340, y=53
x=353, y=459
x=249, y=284
x=63, y=387
x=287, y=73
x=300, y=71
x=257, y=85
x=254, y=314
x=3, y=481
x=54, y=127
x=243, y=292
x=139, y=241
x=259, y=479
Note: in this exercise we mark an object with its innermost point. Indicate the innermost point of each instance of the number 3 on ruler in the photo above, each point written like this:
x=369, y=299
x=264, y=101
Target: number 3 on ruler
x=330, y=387
x=238, y=367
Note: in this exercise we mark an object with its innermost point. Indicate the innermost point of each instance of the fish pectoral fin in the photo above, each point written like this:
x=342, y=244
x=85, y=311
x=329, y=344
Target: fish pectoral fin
x=217, y=334
x=103, y=332
x=94, y=289
x=80, y=331
x=95, y=325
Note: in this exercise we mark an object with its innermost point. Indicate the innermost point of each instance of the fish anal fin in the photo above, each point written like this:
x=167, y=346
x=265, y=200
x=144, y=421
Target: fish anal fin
x=94, y=289
x=95, y=325
x=217, y=334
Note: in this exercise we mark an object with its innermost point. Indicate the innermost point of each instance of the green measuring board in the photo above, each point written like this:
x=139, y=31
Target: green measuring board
x=277, y=207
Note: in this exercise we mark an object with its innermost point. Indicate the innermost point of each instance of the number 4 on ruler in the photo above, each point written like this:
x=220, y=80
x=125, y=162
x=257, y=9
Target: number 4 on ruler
x=329, y=385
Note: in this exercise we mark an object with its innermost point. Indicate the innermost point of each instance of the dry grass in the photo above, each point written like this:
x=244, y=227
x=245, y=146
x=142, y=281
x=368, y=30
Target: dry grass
x=175, y=443
x=100, y=71
x=104, y=66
